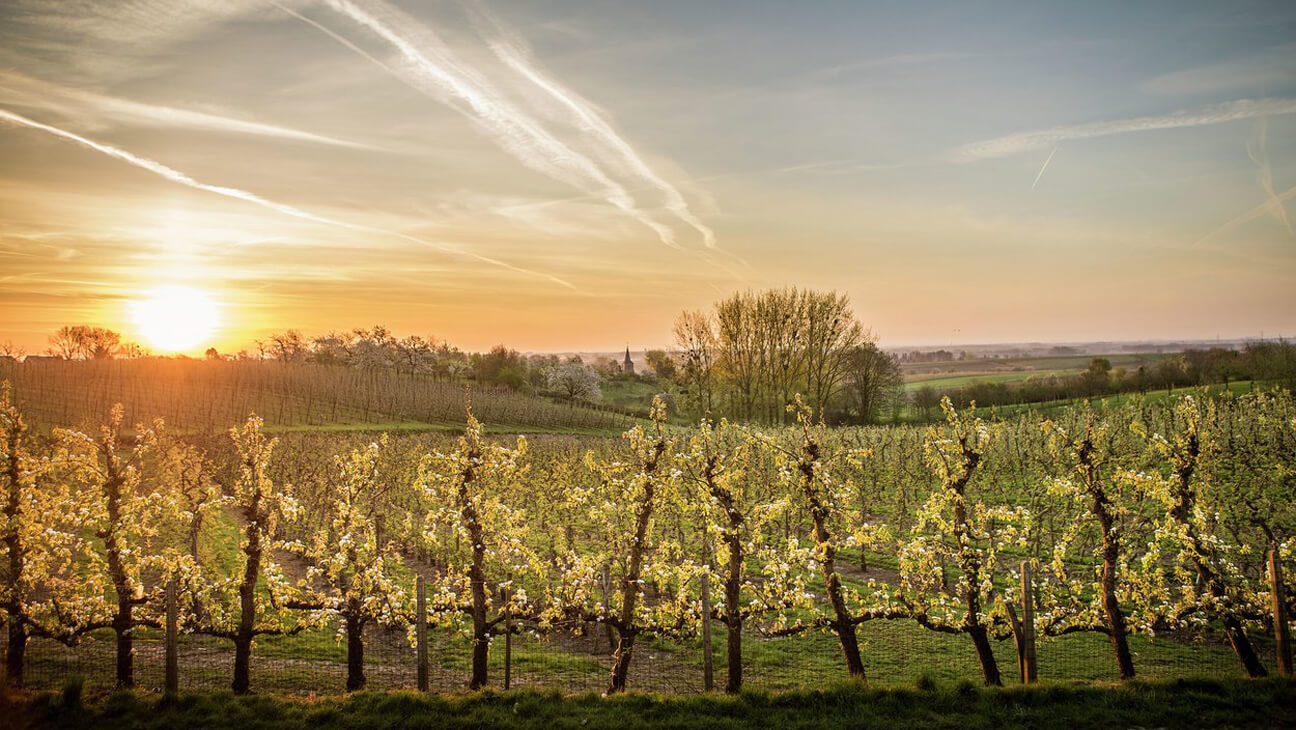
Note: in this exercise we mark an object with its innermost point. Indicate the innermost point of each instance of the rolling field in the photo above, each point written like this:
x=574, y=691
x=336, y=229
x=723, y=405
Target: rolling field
x=207, y=397
x=1025, y=365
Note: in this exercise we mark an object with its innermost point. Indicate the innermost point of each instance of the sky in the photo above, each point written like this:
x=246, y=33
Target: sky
x=569, y=175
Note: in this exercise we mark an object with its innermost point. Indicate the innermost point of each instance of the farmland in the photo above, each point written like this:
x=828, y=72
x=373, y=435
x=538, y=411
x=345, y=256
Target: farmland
x=865, y=544
x=206, y=397
x=1022, y=366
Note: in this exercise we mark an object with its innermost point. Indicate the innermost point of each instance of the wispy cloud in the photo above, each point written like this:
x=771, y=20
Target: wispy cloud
x=1044, y=138
x=890, y=62
x=89, y=107
x=1269, y=69
x=176, y=176
x=428, y=64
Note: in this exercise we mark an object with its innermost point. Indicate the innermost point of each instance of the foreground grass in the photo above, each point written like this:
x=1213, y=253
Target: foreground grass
x=1182, y=704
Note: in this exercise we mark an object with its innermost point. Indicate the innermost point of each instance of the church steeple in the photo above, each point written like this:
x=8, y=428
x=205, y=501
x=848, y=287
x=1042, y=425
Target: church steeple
x=627, y=366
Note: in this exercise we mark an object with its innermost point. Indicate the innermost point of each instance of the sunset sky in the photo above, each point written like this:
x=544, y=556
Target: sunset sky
x=570, y=175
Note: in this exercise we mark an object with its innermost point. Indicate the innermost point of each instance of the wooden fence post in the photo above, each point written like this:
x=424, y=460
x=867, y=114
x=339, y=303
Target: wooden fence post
x=707, y=670
x=1282, y=630
x=420, y=632
x=1026, y=648
x=172, y=650
x=508, y=646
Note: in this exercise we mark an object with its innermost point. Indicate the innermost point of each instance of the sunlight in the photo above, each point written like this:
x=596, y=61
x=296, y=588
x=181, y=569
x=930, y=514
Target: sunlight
x=175, y=318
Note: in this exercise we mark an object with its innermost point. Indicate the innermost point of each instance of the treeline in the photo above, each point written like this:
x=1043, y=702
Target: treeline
x=1269, y=362
x=1136, y=521
x=377, y=349
x=748, y=356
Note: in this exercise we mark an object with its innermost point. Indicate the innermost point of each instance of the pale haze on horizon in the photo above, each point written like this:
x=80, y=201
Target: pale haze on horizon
x=569, y=176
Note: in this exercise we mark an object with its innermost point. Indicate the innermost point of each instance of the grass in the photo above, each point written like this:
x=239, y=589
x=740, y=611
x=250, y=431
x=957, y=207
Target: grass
x=949, y=382
x=1182, y=704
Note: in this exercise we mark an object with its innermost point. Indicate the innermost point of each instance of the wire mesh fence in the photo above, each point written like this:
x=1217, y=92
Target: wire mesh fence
x=896, y=652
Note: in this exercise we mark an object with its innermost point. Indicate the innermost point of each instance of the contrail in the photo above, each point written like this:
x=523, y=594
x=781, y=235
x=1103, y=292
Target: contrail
x=1040, y=139
x=25, y=89
x=1260, y=156
x=1044, y=167
x=176, y=176
x=1252, y=214
x=434, y=70
x=512, y=52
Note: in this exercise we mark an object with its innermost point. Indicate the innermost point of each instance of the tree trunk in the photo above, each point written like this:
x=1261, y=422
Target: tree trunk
x=1243, y=648
x=630, y=585
x=989, y=667
x=242, y=658
x=733, y=684
x=355, y=647
x=195, y=529
x=15, y=650
x=1202, y=559
x=477, y=577
x=122, y=622
x=734, y=620
x=122, y=625
x=247, y=607
x=1118, y=631
x=1115, y=617
x=621, y=662
x=841, y=623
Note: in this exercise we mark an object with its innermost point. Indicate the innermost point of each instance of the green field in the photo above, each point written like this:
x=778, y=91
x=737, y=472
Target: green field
x=1026, y=365
x=949, y=382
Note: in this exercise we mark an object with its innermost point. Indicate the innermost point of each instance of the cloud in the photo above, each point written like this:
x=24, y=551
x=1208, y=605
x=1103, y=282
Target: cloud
x=481, y=93
x=1042, y=139
x=176, y=176
x=891, y=62
x=88, y=106
x=1271, y=69
x=515, y=55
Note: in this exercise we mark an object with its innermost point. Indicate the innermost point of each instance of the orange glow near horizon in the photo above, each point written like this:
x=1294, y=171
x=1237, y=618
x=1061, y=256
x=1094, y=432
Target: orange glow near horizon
x=176, y=318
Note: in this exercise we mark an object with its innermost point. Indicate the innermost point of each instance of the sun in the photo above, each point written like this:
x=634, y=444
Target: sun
x=175, y=318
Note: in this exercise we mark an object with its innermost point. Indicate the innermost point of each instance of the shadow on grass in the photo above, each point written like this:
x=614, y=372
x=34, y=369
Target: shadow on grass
x=1185, y=703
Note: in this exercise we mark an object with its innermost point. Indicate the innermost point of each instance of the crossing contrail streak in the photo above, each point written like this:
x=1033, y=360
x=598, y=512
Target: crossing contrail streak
x=435, y=70
x=1256, y=212
x=1260, y=156
x=176, y=176
x=513, y=53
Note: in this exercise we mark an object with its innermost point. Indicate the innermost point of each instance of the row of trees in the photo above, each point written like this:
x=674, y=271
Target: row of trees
x=1273, y=362
x=748, y=356
x=84, y=342
x=1139, y=520
x=378, y=349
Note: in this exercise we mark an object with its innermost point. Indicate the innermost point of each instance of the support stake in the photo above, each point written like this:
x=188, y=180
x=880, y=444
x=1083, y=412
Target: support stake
x=1027, y=648
x=1282, y=629
x=707, y=671
x=420, y=631
x=172, y=650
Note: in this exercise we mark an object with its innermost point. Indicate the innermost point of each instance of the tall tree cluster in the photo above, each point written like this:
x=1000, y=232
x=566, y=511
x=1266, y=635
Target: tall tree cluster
x=751, y=355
